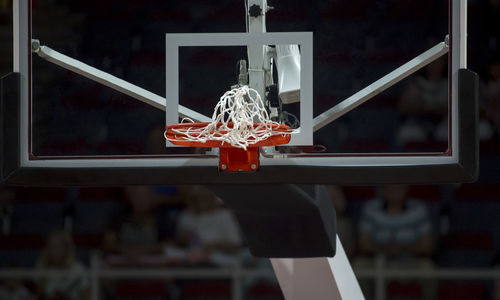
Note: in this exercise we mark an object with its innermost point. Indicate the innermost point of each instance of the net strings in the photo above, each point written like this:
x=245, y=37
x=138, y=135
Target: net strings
x=240, y=119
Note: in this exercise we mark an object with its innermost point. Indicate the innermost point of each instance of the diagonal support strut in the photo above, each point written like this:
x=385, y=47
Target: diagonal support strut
x=112, y=81
x=380, y=85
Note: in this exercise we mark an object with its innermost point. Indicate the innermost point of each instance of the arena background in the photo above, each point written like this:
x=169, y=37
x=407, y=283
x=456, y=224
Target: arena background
x=37, y=221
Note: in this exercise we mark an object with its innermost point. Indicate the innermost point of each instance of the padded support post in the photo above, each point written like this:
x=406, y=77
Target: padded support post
x=295, y=227
x=284, y=220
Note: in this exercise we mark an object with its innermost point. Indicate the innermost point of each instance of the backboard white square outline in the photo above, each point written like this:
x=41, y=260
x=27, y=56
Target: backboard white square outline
x=303, y=39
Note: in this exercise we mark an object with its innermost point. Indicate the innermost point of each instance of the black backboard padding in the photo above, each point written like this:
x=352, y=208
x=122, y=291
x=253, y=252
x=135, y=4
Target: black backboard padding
x=468, y=97
x=283, y=220
x=9, y=125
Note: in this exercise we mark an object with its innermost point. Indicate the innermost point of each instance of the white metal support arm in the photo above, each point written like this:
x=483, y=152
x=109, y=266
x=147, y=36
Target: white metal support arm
x=380, y=85
x=112, y=82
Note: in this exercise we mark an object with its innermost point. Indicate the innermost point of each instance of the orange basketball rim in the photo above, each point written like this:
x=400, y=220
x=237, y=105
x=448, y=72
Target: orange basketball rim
x=232, y=159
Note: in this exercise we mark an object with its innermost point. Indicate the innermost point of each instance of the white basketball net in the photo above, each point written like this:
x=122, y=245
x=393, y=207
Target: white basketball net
x=240, y=108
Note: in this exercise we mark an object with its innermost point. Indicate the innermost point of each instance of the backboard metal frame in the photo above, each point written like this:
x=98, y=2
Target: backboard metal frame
x=20, y=167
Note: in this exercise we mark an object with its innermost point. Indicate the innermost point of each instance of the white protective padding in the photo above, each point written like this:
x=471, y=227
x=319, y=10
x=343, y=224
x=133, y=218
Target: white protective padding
x=288, y=64
x=233, y=121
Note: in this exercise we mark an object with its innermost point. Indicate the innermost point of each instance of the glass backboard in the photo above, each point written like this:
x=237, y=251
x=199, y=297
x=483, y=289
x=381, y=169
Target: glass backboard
x=385, y=94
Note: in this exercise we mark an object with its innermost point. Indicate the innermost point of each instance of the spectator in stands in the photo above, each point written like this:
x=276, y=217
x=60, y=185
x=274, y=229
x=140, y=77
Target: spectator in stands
x=5, y=6
x=208, y=231
x=492, y=91
x=14, y=289
x=398, y=228
x=394, y=225
x=424, y=102
x=345, y=228
x=7, y=197
x=59, y=255
x=137, y=234
x=428, y=93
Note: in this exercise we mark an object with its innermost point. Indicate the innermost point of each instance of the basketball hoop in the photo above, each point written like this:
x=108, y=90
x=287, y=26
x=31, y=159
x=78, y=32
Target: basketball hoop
x=231, y=158
x=233, y=130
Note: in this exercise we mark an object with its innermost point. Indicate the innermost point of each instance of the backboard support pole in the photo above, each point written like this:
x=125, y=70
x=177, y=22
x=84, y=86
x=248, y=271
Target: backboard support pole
x=256, y=53
x=319, y=278
x=300, y=240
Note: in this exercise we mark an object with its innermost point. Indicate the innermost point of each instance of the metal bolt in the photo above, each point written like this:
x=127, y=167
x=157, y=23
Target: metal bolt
x=253, y=166
x=255, y=11
x=223, y=167
x=35, y=45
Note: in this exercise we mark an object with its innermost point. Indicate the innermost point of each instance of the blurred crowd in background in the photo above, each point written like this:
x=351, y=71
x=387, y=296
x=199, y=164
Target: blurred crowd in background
x=172, y=227
x=168, y=227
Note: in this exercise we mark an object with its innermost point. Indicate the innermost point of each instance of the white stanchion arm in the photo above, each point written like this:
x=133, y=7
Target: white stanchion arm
x=380, y=85
x=318, y=278
x=113, y=82
x=256, y=53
